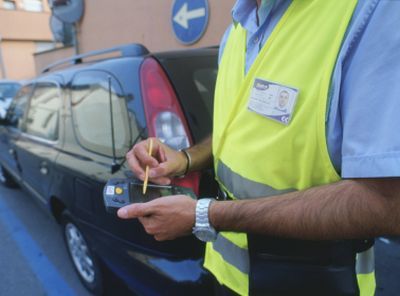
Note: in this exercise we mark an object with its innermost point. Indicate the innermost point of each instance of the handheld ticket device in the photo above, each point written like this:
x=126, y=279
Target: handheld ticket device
x=121, y=192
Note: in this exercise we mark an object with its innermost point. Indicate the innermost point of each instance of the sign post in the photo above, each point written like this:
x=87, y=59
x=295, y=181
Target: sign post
x=2, y=66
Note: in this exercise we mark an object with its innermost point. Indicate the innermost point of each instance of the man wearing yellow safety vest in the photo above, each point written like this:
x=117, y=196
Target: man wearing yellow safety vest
x=305, y=180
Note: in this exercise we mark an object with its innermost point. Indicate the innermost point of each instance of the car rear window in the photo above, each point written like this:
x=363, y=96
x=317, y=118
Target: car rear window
x=193, y=78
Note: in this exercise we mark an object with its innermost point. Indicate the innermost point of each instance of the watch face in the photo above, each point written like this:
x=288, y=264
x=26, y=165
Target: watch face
x=205, y=235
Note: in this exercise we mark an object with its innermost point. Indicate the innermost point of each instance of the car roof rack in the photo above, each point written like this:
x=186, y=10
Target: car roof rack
x=129, y=50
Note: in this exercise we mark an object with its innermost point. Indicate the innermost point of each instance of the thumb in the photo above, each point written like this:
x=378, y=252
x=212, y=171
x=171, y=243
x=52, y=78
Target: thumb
x=134, y=211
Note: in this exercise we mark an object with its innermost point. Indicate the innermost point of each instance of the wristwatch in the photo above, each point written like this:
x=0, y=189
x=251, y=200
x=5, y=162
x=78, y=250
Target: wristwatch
x=203, y=229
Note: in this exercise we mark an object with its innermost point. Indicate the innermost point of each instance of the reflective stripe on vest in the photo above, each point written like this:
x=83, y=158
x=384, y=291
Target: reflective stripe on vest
x=365, y=267
x=242, y=188
x=232, y=254
x=365, y=263
x=255, y=156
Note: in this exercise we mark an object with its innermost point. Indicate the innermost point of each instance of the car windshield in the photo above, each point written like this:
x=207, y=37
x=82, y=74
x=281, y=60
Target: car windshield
x=8, y=90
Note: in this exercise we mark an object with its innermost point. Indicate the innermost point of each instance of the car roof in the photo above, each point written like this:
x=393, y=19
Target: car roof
x=4, y=81
x=187, y=52
x=67, y=70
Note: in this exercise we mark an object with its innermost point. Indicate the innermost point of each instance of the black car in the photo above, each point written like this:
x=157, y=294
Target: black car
x=67, y=132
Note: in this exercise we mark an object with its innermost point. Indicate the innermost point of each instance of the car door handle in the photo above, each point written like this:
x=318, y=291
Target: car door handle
x=11, y=151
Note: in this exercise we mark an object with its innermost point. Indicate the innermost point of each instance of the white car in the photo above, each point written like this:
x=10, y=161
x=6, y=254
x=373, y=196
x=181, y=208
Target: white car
x=8, y=88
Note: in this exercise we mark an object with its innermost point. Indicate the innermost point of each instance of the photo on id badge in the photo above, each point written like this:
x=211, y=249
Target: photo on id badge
x=273, y=100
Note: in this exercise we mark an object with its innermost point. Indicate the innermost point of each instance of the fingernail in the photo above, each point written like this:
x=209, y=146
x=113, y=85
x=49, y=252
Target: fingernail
x=152, y=173
x=122, y=213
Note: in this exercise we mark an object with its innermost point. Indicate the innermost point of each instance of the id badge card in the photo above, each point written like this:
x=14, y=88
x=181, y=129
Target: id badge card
x=272, y=100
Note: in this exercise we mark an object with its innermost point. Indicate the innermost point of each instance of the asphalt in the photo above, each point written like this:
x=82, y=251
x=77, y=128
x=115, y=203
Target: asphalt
x=34, y=260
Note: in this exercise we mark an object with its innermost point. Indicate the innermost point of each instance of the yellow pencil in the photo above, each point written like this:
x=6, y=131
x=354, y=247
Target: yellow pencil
x=146, y=176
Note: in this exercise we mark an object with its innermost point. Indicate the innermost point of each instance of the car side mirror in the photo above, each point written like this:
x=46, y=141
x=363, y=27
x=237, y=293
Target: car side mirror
x=4, y=106
x=4, y=121
x=3, y=116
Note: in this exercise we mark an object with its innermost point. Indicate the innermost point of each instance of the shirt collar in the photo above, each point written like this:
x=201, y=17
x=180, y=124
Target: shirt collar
x=244, y=12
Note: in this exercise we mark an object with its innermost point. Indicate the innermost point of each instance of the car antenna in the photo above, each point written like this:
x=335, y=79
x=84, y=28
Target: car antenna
x=114, y=166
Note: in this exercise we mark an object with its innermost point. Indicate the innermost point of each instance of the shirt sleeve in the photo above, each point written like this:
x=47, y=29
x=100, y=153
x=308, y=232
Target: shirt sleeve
x=370, y=98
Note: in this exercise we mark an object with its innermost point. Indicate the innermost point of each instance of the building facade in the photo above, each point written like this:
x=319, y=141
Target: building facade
x=24, y=30
x=110, y=23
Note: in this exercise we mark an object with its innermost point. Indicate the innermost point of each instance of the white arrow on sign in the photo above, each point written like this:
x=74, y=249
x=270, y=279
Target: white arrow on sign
x=184, y=15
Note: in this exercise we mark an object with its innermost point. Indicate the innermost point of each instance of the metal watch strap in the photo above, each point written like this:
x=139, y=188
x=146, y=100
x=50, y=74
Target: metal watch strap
x=202, y=206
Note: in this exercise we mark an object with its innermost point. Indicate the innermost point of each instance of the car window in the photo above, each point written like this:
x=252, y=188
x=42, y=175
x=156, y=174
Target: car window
x=204, y=79
x=194, y=79
x=90, y=105
x=18, y=106
x=43, y=113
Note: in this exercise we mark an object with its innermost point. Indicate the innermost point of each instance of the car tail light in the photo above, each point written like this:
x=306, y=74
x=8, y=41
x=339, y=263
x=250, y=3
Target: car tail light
x=165, y=119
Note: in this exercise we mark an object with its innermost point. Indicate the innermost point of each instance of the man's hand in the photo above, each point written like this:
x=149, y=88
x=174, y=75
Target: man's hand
x=164, y=164
x=165, y=218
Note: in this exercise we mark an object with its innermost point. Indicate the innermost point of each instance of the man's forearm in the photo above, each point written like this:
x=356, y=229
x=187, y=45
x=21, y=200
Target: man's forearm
x=201, y=155
x=343, y=210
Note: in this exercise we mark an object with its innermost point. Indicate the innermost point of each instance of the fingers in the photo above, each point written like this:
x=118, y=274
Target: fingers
x=153, y=229
x=164, y=218
x=134, y=211
x=141, y=151
x=135, y=165
x=161, y=237
x=162, y=162
x=138, y=157
x=160, y=174
x=161, y=154
x=161, y=180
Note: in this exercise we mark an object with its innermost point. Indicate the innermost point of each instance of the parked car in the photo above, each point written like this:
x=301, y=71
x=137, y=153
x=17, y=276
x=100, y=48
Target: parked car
x=67, y=132
x=8, y=89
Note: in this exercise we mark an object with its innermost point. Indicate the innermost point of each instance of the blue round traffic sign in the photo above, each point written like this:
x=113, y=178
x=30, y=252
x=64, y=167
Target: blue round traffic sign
x=189, y=20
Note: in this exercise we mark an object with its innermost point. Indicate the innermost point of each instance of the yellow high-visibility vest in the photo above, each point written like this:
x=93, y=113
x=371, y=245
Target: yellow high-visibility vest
x=256, y=156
